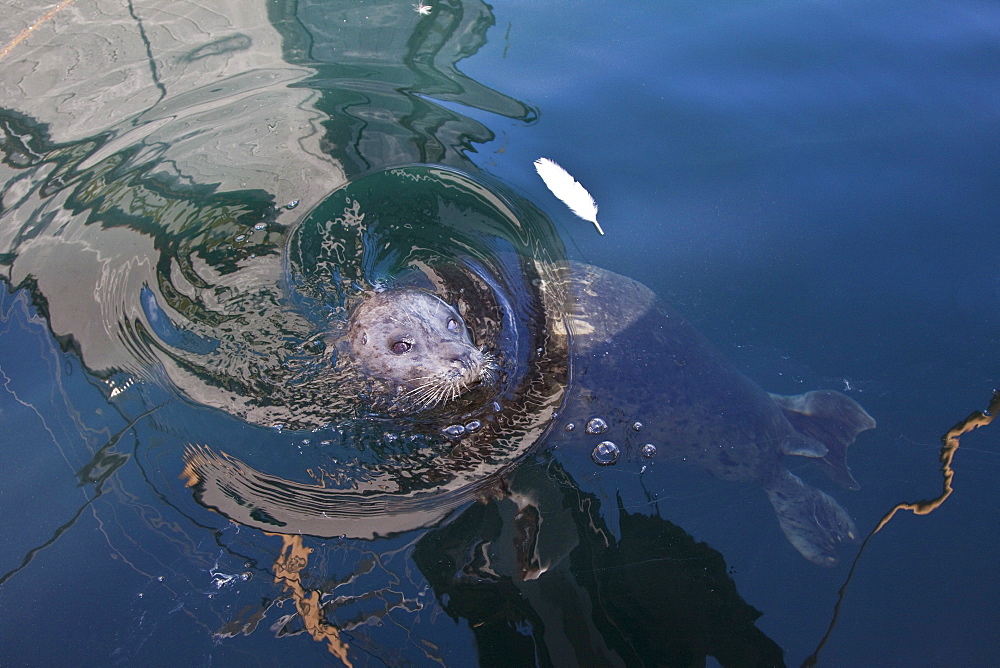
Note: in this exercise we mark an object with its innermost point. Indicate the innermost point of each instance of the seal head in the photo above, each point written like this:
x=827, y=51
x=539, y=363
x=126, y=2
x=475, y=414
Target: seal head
x=417, y=349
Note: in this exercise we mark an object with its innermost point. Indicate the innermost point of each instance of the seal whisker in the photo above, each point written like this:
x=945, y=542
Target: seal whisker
x=422, y=396
x=431, y=393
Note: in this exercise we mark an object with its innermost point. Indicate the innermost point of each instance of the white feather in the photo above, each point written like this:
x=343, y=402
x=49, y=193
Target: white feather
x=565, y=187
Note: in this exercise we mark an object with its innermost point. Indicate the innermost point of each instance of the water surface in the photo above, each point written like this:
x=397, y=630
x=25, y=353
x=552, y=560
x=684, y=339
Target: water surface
x=814, y=185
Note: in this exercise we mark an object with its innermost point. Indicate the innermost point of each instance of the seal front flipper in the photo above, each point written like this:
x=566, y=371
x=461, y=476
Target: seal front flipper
x=812, y=521
x=834, y=420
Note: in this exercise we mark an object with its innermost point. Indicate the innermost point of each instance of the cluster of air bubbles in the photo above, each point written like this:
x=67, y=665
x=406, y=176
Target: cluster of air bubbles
x=605, y=453
x=648, y=450
x=459, y=430
x=257, y=227
x=596, y=426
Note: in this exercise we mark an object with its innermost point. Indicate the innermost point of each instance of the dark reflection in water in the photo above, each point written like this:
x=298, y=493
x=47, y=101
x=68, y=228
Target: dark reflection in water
x=646, y=593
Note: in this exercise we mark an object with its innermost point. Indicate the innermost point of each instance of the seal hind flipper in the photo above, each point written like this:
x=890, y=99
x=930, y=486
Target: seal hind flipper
x=833, y=419
x=812, y=521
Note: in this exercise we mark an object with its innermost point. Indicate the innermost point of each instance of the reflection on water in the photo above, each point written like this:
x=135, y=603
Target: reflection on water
x=641, y=593
x=156, y=160
x=194, y=198
x=288, y=571
x=951, y=442
x=162, y=181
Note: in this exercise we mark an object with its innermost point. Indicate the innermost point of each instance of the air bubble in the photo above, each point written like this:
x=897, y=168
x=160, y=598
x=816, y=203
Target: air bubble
x=473, y=426
x=597, y=426
x=241, y=237
x=648, y=450
x=637, y=426
x=454, y=430
x=291, y=205
x=260, y=226
x=569, y=426
x=605, y=453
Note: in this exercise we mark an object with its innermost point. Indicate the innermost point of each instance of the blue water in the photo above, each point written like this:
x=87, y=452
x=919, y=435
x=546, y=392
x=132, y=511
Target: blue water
x=814, y=185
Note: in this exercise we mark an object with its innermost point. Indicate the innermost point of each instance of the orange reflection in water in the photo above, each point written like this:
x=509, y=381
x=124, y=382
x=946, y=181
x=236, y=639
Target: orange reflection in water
x=27, y=31
x=950, y=444
x=288, y=567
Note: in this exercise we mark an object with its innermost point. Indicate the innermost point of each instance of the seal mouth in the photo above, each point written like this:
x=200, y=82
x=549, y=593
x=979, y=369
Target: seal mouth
x=438, y=390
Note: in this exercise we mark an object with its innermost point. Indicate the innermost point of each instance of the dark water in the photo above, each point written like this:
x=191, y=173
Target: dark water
x=815, y=185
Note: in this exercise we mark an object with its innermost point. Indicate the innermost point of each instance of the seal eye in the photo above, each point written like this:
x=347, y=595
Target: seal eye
x=452, y=325
x=400, y=347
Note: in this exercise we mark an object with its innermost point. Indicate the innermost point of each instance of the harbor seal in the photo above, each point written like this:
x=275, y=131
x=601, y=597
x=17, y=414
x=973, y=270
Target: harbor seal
x=633, y=358
x=417, y=350
x=551, y=357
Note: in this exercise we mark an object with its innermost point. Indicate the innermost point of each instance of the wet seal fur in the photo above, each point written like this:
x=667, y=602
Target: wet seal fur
x=701, y=409
x=416, y=349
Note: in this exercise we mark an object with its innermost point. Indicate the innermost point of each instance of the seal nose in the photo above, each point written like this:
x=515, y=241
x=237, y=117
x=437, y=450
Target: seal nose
x=466, y=365
x=462, y=364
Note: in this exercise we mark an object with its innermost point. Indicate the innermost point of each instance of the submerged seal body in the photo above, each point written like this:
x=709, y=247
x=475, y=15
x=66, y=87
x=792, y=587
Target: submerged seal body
x=633, y=359
x=416, y=348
